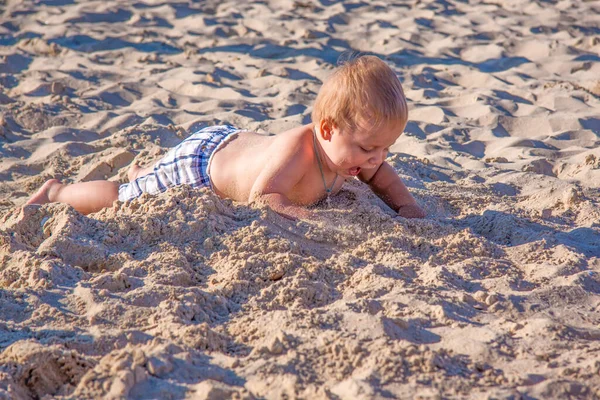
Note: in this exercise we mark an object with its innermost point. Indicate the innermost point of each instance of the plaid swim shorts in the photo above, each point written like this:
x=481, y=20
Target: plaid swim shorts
x=185, y=164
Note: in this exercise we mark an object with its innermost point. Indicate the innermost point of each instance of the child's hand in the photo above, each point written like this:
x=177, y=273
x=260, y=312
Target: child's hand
x=411, y=211
x=386, y=184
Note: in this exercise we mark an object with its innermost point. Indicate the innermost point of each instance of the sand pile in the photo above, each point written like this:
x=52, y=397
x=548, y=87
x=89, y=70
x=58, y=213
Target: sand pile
x=184, y=295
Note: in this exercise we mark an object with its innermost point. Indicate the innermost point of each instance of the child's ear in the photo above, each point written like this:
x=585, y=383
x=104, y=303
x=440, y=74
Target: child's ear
x=326, y=128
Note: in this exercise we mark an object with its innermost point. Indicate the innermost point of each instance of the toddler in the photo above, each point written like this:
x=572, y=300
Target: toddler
x=359, y=113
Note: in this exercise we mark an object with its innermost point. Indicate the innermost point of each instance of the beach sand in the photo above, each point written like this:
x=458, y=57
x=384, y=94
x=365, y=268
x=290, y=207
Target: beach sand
x=184, y=295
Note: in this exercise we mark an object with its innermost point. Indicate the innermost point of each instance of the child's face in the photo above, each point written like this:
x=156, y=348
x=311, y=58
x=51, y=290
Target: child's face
x=350, y=152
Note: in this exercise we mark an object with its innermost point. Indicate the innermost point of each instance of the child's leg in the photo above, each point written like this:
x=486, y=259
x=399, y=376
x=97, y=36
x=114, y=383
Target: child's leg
x=85, y=197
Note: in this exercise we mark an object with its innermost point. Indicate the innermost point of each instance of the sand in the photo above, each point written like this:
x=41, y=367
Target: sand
x=496, y=294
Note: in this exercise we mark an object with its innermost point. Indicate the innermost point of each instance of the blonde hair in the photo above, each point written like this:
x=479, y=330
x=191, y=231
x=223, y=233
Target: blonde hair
x=362, y=93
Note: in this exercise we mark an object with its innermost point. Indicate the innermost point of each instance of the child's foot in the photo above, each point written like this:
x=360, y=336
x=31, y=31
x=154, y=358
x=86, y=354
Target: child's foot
x=42, y=196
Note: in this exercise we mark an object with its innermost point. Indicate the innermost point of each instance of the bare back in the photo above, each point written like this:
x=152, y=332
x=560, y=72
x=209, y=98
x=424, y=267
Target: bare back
x=237, y=164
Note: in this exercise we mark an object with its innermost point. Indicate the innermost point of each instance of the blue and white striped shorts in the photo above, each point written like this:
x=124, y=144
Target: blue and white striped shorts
x=185, y=164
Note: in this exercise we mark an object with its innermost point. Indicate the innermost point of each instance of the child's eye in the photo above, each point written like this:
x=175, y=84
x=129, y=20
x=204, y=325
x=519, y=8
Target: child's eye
x=365, y=150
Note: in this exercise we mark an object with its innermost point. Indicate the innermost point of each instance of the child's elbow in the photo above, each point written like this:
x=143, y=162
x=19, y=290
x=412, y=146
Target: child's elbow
x=258, y=196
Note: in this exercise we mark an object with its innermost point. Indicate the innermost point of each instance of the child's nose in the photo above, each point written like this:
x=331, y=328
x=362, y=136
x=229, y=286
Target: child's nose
x=378, y=158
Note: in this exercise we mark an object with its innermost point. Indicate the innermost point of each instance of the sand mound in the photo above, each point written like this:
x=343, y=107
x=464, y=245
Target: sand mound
x=363, y=296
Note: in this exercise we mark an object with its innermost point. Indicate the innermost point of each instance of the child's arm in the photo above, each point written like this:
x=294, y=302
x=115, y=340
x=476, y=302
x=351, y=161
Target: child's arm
x=386, y=184
x=282, y=206
x=284, y=170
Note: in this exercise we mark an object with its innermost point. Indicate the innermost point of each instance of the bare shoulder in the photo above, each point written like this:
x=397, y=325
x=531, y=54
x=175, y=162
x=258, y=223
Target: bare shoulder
x=286, y=162
x=295, y=143
x=297, y=136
